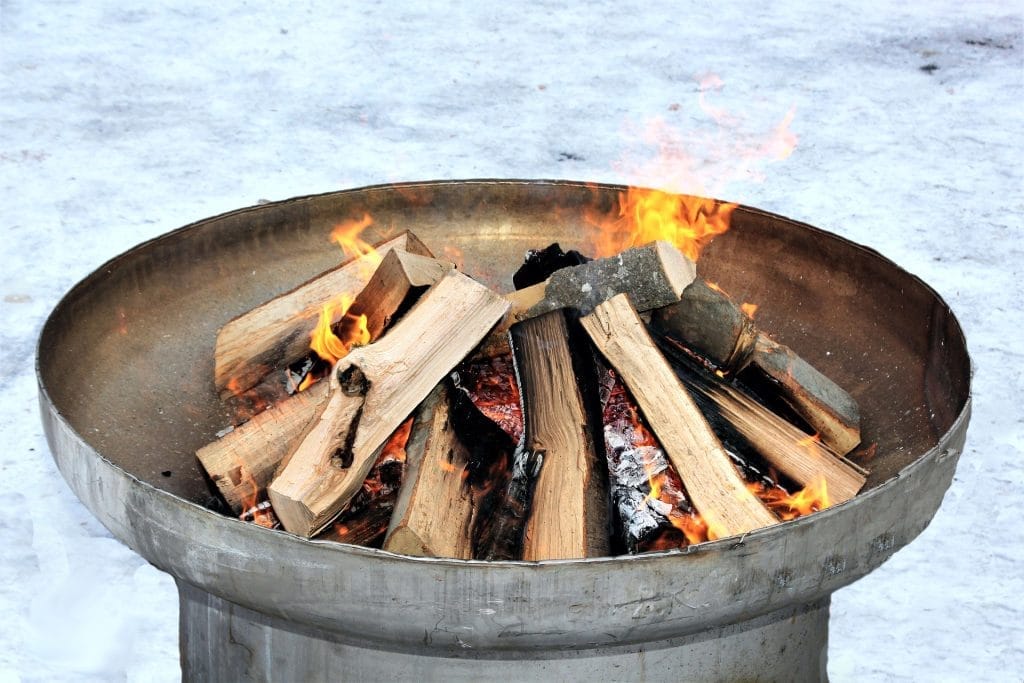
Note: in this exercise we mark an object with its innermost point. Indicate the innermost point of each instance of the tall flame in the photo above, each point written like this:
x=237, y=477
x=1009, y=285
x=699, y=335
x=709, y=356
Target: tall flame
x=686, y=169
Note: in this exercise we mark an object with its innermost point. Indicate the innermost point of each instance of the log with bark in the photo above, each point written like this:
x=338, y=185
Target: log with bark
x=654, y=275
x=707, y=322
x=799, y=457
x=276, y=333
x=711, y=480
x=385, y=380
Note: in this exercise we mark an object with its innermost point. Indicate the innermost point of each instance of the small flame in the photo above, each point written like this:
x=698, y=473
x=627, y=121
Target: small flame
x=328, y=345
x=811, y=498
x=749, y=309
x=692, y=525
x=394, y=447
x=347, y=235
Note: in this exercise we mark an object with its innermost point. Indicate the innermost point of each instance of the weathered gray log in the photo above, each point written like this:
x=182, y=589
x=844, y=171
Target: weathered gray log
x=712, y=326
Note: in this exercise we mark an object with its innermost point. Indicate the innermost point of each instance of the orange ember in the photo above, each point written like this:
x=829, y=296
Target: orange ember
x=749, y=309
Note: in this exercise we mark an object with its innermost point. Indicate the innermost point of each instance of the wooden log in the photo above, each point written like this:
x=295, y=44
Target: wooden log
x=365, y=521
x=387, y=380
x=568, y=510
x=826, y=407
x=443, y=491
x=277, y=332
x=712, y=482
x=803, y=459
x=654, y=275
x=242, y=462
x=388, y=291
x=708, y=323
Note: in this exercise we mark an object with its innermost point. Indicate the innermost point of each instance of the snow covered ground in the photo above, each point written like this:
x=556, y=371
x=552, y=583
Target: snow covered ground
x=120, y=123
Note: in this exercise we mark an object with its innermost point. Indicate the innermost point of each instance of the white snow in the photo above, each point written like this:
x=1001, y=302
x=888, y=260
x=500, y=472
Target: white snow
x=118, y=124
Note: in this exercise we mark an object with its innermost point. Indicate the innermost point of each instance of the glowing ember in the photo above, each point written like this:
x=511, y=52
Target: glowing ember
x=749, y=309
x=491, y=385
x=662, y=518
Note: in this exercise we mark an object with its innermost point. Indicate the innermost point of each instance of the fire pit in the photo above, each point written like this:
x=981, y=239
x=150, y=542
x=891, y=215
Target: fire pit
x=125, y=365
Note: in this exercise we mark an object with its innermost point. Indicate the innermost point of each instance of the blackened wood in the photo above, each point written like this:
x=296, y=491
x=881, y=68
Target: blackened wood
x=541, y=263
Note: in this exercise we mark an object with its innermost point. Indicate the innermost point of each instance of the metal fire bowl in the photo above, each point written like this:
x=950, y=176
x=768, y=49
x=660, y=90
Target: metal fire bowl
x=125, y=367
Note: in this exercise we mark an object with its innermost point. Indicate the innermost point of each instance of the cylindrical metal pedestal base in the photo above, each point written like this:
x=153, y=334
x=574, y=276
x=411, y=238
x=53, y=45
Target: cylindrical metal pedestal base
x=221, y=641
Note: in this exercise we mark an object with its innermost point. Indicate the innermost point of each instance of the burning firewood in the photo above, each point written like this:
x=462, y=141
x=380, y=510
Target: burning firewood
x=248, y=456
x=458, y=462
x=242, y=462
x=568, y=510
x=277, y=333
x=366, y=520
x=654, y=275
x=710, y=324
x=434, y=511
x=800, y=457
x=712, y=482
x=385, y=380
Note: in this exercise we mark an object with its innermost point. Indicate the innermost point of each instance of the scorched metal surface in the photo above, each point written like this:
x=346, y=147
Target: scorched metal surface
x=125, y=366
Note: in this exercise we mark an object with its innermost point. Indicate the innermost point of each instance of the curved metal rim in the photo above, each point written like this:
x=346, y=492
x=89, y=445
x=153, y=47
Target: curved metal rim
x=725, y=547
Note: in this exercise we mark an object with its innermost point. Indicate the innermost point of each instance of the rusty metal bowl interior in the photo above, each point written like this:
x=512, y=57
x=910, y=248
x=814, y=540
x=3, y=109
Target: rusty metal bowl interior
x=125, y=368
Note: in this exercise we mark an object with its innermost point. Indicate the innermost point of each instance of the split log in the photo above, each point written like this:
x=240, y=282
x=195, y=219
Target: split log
x=242, y=462
x=248, y=456
x=793, y=453
x=458, y=459
x=387, y=380
x=710, y=324
x=399, y=275
x=654, y=275
x=712, y=482
x=366, y=520
x=568, y=512
x=434, y=510
x=826, y=407
x=276, y=333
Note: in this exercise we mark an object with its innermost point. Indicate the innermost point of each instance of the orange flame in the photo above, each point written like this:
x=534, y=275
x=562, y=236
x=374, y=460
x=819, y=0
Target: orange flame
x=693, y=526
x=686, y=169
x=811, y=498
x=347, y=235
x=749, y=309
x=688, y=222
x=328, y=345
